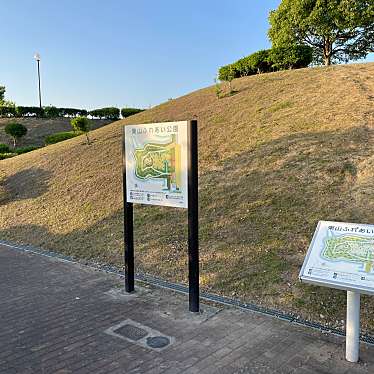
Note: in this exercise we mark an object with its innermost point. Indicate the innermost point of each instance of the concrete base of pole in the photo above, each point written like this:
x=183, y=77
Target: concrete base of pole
x=353, y=327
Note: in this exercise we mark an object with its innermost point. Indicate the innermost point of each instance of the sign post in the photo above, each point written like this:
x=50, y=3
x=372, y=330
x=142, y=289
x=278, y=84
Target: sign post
x=193, y=219
x=341, y=255
x=160, y=167
x=352, y=345
x=128, y=221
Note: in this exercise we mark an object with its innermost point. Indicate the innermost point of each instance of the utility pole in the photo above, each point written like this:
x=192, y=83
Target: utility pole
x=37, y=58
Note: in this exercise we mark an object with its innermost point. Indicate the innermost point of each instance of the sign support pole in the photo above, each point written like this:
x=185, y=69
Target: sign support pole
x=193, y=218
x=128, y=220
x=353, y=326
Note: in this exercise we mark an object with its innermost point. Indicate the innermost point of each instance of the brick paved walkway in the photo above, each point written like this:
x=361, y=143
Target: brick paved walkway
x=54, y=316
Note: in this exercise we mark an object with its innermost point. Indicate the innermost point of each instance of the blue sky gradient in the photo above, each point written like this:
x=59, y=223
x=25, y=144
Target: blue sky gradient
x=123, y=53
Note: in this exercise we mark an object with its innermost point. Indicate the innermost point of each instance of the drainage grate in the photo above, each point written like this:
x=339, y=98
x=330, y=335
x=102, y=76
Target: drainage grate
x=131, y=332
x=142, y=335
x=158, y=342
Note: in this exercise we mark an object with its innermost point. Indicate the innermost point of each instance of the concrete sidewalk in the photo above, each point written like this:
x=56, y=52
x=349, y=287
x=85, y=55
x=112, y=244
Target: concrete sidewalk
x=60, y=317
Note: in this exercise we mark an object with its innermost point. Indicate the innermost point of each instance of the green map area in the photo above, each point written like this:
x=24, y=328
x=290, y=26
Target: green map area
x=350, y=248
x=160, y=161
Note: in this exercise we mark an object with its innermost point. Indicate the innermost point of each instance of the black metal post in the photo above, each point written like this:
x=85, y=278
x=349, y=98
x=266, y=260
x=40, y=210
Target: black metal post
x=128, y=220
x=193, y=218
x=40, y=91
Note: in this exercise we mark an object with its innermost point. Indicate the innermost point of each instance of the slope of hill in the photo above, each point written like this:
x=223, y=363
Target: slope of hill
x=288, y=149
x=39, y=128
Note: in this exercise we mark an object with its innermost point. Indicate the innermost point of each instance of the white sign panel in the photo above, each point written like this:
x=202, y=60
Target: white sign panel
x=156, y=164
x=341, y=255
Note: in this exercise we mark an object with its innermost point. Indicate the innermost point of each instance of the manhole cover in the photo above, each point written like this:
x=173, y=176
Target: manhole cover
x=131, y=332
x=158, y=341
x=142, y=335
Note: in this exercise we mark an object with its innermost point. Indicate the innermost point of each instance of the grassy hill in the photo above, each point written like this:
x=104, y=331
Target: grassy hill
x=288, y=149
x=39, y=128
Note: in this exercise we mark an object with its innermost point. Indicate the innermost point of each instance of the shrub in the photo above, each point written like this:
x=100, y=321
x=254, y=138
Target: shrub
x=72, y=112
x=29, y=111
x=244, y=67
x=16, y=131
x=267, y=60
x=81, y=124
x=22, y=150
x=51, y=112
x=260, y=61
x=227, y=73
x=60, y=136
x=291, y=57
x=4, y=148
x=218, y=88
x=3, y=156
x=106, y=113
x=127, y=112
x=7, y=111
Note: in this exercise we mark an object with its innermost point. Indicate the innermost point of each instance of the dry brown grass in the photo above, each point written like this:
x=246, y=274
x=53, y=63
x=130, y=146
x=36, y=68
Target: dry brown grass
x=39, y=128
x=288, y=149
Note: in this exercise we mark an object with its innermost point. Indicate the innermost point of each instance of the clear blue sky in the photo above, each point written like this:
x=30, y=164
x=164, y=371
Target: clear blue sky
x=123, y=53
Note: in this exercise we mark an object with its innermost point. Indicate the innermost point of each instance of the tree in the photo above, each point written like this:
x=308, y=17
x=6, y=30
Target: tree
x=81, y=124
x=337, y=30
x=16, y=131
x=2, y=93
x=228, y=74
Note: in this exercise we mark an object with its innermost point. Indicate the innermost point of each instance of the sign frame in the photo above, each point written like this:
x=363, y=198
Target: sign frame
x=332, y=283
x=193, y=218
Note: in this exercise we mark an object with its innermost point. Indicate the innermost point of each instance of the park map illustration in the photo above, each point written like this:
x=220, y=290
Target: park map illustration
x=160, y=161
x=350, y=248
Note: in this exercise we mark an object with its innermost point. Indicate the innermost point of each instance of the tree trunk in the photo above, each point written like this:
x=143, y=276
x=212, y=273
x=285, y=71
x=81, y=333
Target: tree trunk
x=14, y=143
x=327, y=52
x=326, y=59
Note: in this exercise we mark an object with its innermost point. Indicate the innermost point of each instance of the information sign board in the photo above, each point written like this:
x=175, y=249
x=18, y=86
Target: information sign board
x=160, y=167
x=341, y=255
x=156, y=163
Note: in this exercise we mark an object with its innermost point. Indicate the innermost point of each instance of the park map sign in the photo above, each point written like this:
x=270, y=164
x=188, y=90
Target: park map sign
x=160, y=167
x=156, y=166
x=341, y=255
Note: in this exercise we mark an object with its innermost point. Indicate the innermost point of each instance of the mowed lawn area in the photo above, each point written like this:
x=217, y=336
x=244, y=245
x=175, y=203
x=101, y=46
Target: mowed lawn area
x=39, y=128
x=285, y=150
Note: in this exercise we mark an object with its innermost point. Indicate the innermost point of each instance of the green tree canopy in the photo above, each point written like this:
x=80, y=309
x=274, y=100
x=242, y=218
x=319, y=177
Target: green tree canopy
x=81, y=124
x=16, y=131
x=337, y=30
x=2, y=93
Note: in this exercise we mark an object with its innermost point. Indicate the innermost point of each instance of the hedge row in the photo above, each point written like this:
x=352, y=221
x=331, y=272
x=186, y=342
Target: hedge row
x=106, y=113
x=6, y=152
x=127, y=112
x=60, y=136
x=268, y=60
x=3, y=156
x=35, y=111
x=111, y=113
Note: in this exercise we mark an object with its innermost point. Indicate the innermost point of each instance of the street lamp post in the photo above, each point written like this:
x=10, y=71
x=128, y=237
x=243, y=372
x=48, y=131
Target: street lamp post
x=37, y=58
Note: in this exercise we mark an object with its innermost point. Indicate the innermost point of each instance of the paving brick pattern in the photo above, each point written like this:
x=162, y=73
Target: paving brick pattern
x=54, y=314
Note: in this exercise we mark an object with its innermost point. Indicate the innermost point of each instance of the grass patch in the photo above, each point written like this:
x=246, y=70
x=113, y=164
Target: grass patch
x=282, y=105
